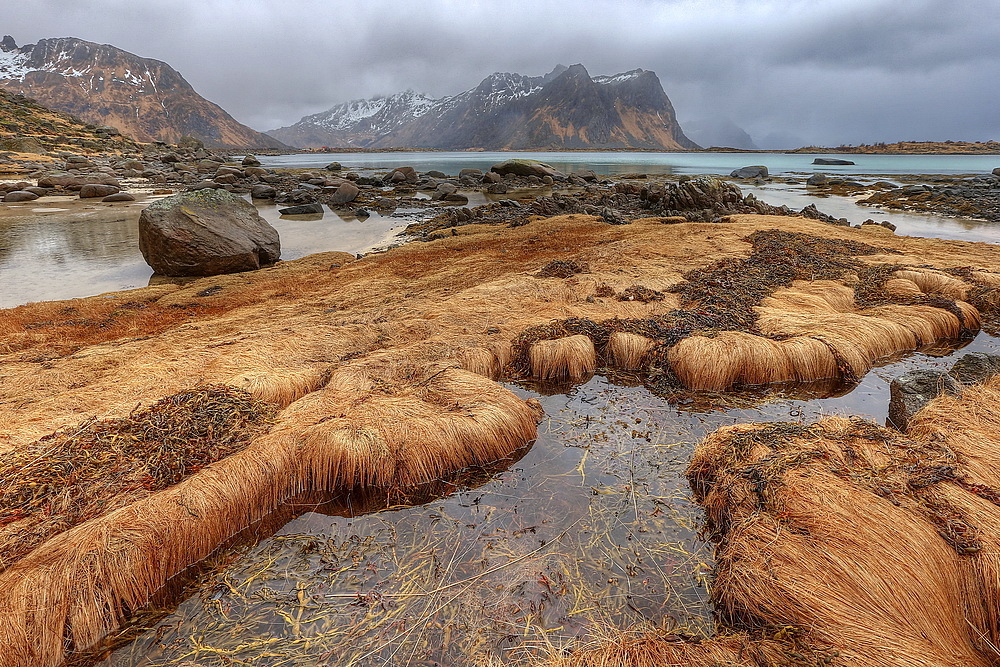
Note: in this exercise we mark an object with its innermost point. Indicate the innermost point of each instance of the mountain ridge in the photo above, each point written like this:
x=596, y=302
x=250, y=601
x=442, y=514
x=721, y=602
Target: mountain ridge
x=564, y=109
x=102, y=84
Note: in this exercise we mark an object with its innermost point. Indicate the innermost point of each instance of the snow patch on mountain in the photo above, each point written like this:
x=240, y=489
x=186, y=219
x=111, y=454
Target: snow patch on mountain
x=619, y=78
x=13, y=65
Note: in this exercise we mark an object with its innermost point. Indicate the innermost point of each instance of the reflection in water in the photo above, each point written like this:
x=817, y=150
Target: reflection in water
x=57, y=256
x=594, y=527
x=95, y=248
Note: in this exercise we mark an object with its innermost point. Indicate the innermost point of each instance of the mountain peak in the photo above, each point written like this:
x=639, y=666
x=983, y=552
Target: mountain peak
x=565, y=108
x=104, y=85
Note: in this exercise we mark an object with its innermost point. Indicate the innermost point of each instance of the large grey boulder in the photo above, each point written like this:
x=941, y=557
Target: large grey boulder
x=522, y=167
x=831, y=160
x=913, y=390
x=346, y=192
x=754, y=171
x=205, y=233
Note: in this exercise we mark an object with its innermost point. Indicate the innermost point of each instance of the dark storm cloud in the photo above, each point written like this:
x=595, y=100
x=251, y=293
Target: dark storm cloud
x=824, y=71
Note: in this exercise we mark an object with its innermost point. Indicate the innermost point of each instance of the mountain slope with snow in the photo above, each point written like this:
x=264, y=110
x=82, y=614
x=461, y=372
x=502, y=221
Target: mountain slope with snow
x=566, y=108
x=104, y=85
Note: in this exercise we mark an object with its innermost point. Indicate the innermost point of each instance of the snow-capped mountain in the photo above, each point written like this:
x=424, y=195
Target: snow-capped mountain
x=363, y=120
x=566, y=108
x=104, y=85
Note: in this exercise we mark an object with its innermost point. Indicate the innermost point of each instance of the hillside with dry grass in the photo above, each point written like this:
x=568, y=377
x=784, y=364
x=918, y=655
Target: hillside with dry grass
x=28, y=127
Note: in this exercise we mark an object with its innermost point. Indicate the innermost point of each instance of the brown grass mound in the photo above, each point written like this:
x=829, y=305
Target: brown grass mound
x=570, y=358
x=628, y=351
x=934, y=282
x=280, y=387
x=390, y=428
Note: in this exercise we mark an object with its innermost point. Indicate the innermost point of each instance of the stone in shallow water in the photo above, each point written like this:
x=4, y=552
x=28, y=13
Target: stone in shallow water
x=302, y=209
x=205, y=233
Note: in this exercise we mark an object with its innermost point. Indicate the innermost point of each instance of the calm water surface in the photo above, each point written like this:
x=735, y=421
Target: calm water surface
x=652, y=163
x=593, y=528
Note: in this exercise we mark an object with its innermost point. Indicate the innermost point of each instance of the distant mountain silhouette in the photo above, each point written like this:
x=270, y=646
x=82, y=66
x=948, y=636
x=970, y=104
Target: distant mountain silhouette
x=566, y=108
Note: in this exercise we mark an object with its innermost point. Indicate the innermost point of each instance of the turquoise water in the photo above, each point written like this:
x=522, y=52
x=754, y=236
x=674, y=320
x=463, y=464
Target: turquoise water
x=653, y=163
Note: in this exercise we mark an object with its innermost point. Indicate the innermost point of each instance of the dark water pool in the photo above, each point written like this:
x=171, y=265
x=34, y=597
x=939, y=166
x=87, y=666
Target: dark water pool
x=592, y=528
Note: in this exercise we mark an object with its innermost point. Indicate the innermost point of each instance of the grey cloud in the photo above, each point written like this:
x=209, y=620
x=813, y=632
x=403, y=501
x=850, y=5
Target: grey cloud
x=829, y=71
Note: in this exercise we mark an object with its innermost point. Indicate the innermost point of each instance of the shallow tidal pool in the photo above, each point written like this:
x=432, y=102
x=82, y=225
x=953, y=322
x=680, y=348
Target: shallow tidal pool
x=592, y=530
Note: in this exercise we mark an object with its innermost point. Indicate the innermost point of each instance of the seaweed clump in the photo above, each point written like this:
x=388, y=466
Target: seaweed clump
x=69, y=477
x=563, y=268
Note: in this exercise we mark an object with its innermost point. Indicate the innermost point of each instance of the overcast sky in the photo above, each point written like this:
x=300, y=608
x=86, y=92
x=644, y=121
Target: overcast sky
x=818, y=71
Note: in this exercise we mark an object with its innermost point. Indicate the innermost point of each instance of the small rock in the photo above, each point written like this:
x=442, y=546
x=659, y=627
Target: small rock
x=362, y=213
x=334, y=166
x=913, y=390
x=433, y=173
x=19, y=195
x=118, y=197
x=347, y=192
x=261, y=191
x=975, y=367
x=817, y=179
x=93, y=190
x=251, y=161
x=443, y=190
x=302, y=209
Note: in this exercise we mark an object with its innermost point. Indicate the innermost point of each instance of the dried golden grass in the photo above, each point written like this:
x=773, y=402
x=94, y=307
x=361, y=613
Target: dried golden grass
x=388, y=427
x=480, y=360
x=441, y=421
x=280, y=387
x=628, y=351
x=717, y=363
x=935, y=282
x=569, y=358
x=987, y=278
x=900, y=287
x=664, y=650
x=839, y=529
x=817, y=296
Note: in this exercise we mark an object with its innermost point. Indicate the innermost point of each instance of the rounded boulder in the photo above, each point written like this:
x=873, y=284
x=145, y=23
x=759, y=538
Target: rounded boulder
x=523, y=167
x=204, y=233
